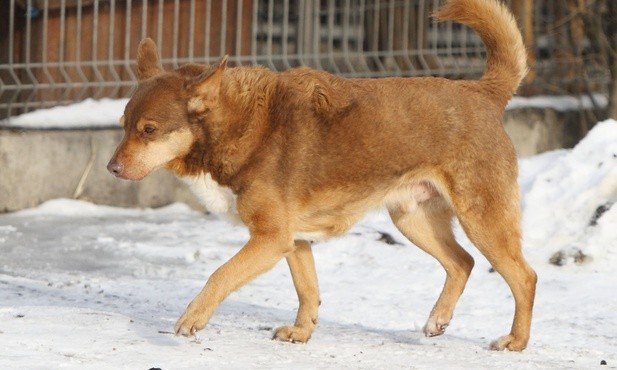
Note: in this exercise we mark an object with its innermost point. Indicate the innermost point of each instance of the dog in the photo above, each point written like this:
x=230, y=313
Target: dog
x=301, y=155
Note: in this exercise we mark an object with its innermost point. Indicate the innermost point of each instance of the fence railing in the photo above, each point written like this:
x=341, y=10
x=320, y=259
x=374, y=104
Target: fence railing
x=61, y=51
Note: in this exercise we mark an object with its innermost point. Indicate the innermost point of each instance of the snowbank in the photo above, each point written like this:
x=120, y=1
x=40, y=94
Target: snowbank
x=89, y=113
x=567, y=198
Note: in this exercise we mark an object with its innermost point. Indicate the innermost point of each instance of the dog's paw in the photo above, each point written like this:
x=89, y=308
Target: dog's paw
x=509, y=342
x=435, y=327
x=294, y=334
x=190, y=322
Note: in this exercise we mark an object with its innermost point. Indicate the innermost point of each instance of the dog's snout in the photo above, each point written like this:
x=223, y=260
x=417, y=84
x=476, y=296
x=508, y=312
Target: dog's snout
x=115, y=167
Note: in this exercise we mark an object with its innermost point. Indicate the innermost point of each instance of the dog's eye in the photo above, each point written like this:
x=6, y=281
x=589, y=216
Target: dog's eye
x=149, y=129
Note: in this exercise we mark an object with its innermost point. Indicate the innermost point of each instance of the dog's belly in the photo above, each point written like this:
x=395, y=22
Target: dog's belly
x=336, y=213
x=321, y=228
x=313, y=236
x=327, y=219
x=217, y=199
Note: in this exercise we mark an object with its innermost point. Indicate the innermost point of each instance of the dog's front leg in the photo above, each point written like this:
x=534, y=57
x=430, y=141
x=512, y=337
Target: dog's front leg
x=302, y=267
x=260, y=254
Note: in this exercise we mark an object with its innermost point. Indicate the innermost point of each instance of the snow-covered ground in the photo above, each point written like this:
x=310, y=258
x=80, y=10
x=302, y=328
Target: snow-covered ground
x=88, y=286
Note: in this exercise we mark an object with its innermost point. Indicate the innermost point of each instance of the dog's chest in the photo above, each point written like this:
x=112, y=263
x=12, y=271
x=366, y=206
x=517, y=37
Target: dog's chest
x=216, y=198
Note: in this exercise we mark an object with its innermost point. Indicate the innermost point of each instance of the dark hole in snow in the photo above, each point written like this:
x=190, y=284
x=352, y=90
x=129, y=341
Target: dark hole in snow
x=599, y=212
x=558, y=258
x=603, y=362
x=387, y=238
x=561, y=258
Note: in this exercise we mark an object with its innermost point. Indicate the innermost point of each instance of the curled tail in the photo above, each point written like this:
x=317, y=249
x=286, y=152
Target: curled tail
x=506, y=65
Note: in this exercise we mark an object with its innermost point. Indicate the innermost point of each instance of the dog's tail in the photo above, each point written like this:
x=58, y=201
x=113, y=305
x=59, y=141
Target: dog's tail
x=506, y=65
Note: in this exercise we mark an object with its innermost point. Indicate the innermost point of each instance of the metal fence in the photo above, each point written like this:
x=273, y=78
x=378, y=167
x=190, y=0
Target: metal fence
x=61, y=51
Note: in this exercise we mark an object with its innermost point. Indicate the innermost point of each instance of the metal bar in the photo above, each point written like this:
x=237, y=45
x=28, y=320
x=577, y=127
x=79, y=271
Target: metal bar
x=330, y=36
x=11, y=51
x=11, y=45
x=29, y=72
x=391, y=59
x=346, y=35
x=285, y=35
x=28, y=32
x=95, y=38
x=304, y=32
x=223, y=46
x=270, y=36
x=208, y=30
x=174, y=39
x=405, y=40
x=279, y=57
x=82, y=93
x=44, y=53
x=254, y=32
x=192, y=16
x=49, y=86
x=421, y=35
x=127, y=40
x=144, y=19
x=361, y=35
x=159, y=28
x=61, y=50
x=316, y=36
x=110, y=53
x=238, y=50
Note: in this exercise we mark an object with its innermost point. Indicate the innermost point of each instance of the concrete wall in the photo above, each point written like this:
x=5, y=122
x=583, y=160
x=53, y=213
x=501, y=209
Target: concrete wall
x=536, y=130
x=36, y=166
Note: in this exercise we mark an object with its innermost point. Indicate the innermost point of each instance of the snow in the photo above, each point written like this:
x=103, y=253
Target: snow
x=564, y=191
x=88, y=113
x=85, y=286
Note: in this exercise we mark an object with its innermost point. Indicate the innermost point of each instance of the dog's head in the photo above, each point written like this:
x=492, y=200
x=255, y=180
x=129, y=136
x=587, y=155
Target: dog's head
x=157, y=128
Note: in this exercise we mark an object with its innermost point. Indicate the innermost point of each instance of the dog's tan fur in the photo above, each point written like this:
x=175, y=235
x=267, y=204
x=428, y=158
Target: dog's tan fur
x=307, y=154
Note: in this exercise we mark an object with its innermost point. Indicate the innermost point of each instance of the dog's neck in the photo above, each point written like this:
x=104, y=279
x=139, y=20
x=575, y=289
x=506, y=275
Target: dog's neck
x=228, y=135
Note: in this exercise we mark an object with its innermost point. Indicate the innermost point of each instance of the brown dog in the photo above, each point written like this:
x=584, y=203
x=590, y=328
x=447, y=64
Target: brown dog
x=302, y=155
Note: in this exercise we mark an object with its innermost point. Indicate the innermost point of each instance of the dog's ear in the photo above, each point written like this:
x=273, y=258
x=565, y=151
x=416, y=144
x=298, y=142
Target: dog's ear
x=148, y=61
x=208, y=84
x=205, y=88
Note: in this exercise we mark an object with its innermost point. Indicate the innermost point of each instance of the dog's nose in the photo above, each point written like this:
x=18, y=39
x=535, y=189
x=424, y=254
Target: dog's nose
x=115, y=167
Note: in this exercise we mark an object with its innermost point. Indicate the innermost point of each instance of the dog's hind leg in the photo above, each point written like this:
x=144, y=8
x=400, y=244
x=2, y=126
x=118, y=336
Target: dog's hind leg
x=492, y=223
x=429, y=227
x=302, y=267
